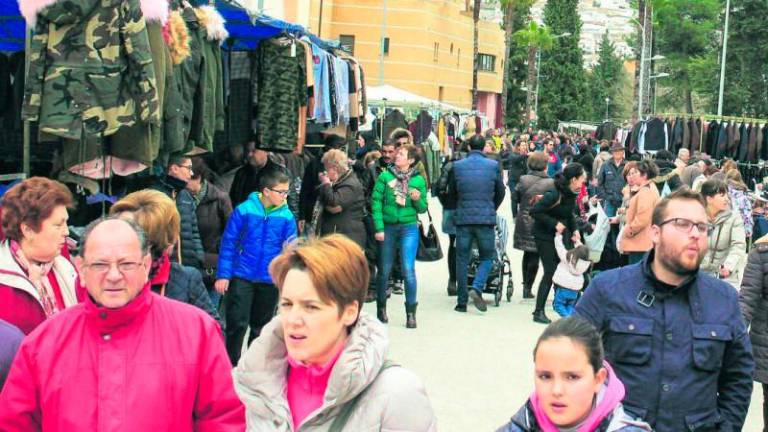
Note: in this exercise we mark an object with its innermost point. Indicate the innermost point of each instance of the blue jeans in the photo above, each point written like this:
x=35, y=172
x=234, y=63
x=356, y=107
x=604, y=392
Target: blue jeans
x=486, y=245
x=215, y=298
x=407, y=237
x=565, y=301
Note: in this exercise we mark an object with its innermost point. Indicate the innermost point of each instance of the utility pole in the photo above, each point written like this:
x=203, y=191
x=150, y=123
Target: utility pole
x=641, y=82
x=722, y=62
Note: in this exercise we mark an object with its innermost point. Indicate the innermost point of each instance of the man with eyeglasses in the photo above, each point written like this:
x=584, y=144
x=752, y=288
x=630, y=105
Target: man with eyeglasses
x=174, y=184
x=674, y=334
x=125, y=359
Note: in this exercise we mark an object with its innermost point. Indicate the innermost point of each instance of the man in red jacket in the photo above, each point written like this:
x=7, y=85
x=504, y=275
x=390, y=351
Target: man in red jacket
x=125, y=359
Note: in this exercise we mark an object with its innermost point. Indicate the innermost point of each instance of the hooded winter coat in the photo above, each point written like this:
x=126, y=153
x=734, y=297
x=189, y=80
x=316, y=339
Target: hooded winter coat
x=569, y=275
x=152, y=365
x=607, y=416
x=532, y=184
x=347, y=193
x=253, y=237
x=90, y=67
x=726, y=246
x=668, y=174
x=391, y=399
x=385, y=209
x=19, y=300
x=600, y=159
x=753, y=299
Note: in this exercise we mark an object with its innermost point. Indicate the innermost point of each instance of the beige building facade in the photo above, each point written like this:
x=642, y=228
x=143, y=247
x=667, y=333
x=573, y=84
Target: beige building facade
x=428, y=45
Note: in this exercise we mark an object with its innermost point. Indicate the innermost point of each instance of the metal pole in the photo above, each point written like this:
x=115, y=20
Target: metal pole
x=722, y=63
x=642, y=64
x=320, y=21
x=655, y=89
x=381, y=42
x=26, y=156
x=538, y=75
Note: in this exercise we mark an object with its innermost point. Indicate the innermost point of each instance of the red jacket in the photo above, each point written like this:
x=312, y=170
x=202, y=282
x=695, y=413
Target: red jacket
x=154, y=365
x=19, y=300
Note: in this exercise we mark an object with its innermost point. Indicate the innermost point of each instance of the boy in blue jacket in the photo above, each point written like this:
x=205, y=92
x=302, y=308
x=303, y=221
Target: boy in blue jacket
x=255, y=234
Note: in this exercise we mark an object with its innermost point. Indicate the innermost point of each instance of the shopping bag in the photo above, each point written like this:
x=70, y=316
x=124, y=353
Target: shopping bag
x=429, y=244
x=596, y=241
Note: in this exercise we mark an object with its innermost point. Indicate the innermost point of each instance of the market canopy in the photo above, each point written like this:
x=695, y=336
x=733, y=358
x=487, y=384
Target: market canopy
x=401, y=98
x=12, y=27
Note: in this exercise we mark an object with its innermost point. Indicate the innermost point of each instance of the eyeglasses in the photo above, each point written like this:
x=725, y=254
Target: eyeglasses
x=189, y=167
x=123, y=267
x=281, y=192
x=686, y=225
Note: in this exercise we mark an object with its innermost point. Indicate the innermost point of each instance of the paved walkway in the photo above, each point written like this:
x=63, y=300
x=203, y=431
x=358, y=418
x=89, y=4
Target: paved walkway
x=478, y=368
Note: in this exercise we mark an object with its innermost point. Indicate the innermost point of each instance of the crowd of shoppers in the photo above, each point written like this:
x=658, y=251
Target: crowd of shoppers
x=657, y=343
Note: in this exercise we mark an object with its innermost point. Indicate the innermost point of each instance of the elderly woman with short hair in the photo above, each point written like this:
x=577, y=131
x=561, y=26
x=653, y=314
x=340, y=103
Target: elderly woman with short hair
x=321, y=364
x=36, y=282
x=342, y=198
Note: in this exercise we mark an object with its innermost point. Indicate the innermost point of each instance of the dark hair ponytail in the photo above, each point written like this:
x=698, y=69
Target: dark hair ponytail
x=571, y=171
x=580, y=332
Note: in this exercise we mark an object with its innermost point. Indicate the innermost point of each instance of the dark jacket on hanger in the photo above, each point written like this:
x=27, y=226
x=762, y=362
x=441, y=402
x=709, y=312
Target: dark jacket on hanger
x=247, y=180
x=656, y=135
x=711, y=136
x=752, y=143
x=677, y=135
x=721, y=150
x=423, y=127
x=696, y=138
x=686, y=143
x=192, y=253
x=758, y=145
x=741, y=153
x=393, y=120
x=763, y=154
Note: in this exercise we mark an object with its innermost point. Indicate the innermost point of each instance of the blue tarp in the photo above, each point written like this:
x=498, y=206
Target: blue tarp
x=245, y=33
x=12, y=27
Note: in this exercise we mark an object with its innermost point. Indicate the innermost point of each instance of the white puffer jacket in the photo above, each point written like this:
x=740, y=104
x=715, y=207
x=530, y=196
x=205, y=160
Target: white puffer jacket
x=394, y=398
x=568, y=275
x=727, y=246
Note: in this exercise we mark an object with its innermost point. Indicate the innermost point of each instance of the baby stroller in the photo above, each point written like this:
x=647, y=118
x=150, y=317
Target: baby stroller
x=501, y=268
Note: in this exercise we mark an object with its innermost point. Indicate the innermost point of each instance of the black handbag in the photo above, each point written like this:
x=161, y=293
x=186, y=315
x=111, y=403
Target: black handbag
x=429, y=244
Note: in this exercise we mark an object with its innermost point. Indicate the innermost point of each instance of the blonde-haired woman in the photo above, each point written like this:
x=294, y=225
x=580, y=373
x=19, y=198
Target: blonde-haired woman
x=321, y=364
x=156, y=214
x=342, y=198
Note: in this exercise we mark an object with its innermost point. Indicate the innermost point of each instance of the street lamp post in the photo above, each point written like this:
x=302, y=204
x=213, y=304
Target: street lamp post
x=722, y=62
x=538, y=74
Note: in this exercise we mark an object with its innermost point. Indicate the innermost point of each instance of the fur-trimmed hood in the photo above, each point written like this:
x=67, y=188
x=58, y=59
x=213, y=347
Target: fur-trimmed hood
x=213, y=23
x=155, y=10
x=177, y=36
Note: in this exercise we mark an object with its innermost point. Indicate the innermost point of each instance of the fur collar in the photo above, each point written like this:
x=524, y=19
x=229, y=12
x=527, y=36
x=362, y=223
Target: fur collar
x=178, y=36
x=213, y=23
x=30, y=8
x=155, y=10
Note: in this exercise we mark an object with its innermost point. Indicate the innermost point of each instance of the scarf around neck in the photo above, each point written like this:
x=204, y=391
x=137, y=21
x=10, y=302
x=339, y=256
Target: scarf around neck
x=38, y=275
x=402, y=179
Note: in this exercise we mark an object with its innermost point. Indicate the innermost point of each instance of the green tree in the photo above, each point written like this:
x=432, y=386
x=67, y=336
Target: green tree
x=606, y=81
x=512, y=10
x=516, y=74
x=685, y=35
x=746, y=68
x=563, y=87
x=536, y=38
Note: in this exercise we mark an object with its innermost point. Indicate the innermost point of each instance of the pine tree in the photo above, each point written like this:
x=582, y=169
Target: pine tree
x=563, y=79
x=515, y=75
x=605, y=81
x=746, y=69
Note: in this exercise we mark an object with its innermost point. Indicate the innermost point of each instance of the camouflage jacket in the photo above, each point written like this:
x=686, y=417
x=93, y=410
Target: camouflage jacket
x=90, y=70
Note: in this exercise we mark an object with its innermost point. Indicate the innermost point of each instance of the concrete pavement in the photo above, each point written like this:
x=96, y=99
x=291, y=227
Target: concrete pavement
x=477, y=367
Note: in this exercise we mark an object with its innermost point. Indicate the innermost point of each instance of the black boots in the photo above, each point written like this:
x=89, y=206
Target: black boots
x=528, y=292
x=381, y=311
x=410, y=315
x=540, y=317
x=452, y=290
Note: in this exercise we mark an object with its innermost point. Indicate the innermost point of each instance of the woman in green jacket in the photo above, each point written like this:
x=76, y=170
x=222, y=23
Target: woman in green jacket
x=399, y=195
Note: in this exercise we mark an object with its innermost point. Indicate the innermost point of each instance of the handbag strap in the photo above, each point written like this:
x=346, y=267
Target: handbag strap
x=340, y=422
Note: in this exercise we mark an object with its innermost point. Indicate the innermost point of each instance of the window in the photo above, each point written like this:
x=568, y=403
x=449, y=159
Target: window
x=486, y=62
x=347, y=43
x=436, y=54
x=458, y=58
x=385, y=46
x=451, y=47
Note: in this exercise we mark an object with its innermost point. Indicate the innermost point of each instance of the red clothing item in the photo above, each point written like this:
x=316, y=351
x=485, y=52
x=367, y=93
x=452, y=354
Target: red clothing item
x=153, y=365
x=306, y=387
